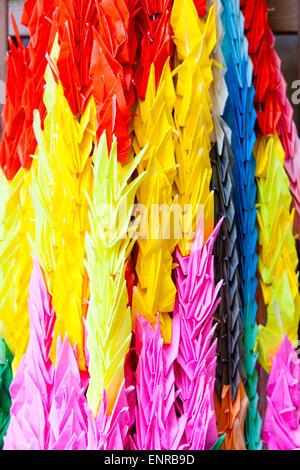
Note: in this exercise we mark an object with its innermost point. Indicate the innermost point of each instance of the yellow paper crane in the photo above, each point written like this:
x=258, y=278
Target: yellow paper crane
x=108, y=247
x=155, y=292
x=190, y=31
x=176, y=121
x=63, y=175
x=16, y=262
x=195, y=40
x=277, y=261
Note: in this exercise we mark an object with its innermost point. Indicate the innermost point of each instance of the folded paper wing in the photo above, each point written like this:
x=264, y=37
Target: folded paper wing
x=25, y=86
x=195, y=364
x=62, y=177
x=281, y=427
x=49, y=409
x=16, y=221
x=30, y=387
x=240, y=116
x=155, y=40
x=6, y=376
x=229, y=328
x=108, y=247
x=192, y=116
x=157, y=424
x=153, y=129
x=274, y=111
x=277, y=252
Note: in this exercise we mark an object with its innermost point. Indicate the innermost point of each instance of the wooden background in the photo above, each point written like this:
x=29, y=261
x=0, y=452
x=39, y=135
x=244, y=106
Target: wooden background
x=284, y=18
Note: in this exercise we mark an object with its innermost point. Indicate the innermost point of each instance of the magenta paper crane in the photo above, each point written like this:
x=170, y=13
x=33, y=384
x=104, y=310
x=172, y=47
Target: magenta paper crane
x=282, y=420
x=31, y=387
x=157, y=425
x=49, y=408
x=189, y=362
x=195, y=364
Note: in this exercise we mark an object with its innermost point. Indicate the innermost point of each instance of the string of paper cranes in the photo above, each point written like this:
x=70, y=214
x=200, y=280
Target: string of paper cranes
x=149, y=211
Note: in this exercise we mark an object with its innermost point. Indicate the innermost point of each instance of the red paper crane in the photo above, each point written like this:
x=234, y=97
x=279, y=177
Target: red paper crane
x=264, y=74
x=156, y=40
x=201, y=7
x=75, y=22
x=98, y=45
x=111, y=72
x=108, y=89
x=25, y=84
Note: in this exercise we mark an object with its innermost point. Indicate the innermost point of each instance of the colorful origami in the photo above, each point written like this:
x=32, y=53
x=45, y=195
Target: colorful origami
x=25, y=85
x=195, y=361
x=240, y=116
x=274, y=115
x=15, y=271
x=6, y=358
x=155, y=42
x=149, y=212
x=229, y=327
x=278, y=259
x=274, y=111
x=281, y=427
x=108, y=320
x=157, y=241
x=192, y=115
x=51, y=400
x=63, y=174
x=157, y=426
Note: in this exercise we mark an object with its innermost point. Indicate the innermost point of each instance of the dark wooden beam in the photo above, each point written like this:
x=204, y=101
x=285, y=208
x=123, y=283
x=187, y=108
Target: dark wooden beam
x=283, y=16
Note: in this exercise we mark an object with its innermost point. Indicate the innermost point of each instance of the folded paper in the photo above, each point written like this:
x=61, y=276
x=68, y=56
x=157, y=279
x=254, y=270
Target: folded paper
x=281, y=426
x=278, y=258
x=195, y=364
x=108, y=245
x=240, y=115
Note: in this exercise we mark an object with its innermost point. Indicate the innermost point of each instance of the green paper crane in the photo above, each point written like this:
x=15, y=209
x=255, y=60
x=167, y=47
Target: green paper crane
x=6, y=376
x=218, y=444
